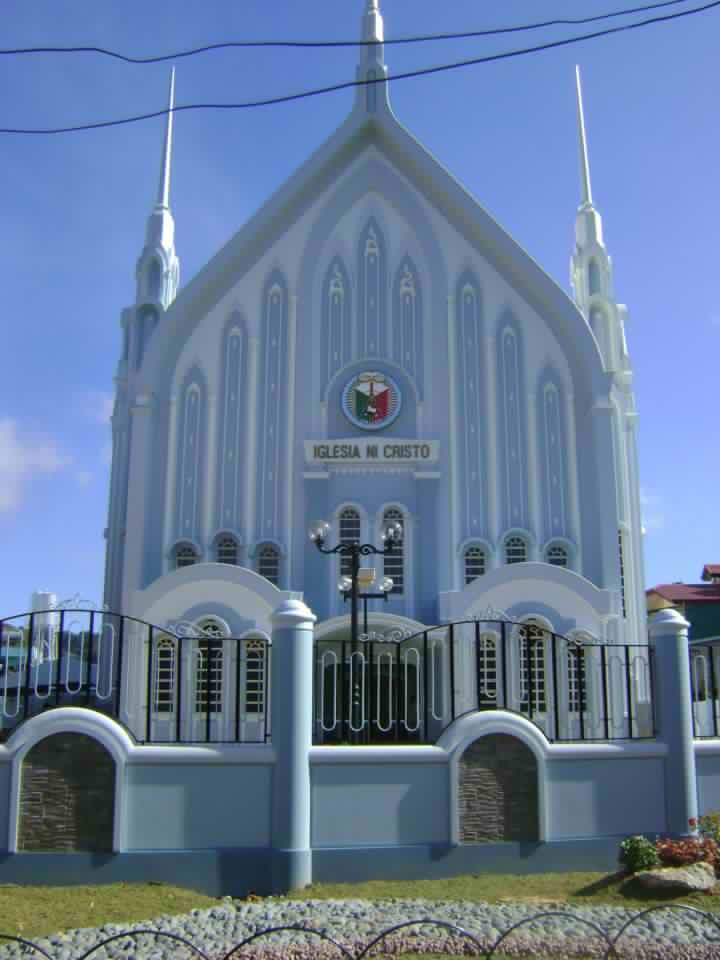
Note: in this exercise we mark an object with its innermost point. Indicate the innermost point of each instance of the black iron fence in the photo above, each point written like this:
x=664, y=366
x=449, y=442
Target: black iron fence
x=549, y=933
x=184, y=685
x=180, y=685
x=392, y=687
x=704, y=666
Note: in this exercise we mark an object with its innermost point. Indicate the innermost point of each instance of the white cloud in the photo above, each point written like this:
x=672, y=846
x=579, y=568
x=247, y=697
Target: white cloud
x=22, y=456
x=651, y=508
x=98, y=405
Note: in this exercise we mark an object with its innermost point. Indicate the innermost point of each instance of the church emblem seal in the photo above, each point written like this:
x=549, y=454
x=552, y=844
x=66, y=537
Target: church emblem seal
x=371, y=400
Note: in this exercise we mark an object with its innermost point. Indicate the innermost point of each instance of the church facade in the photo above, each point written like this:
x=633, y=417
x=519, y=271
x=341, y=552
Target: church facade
x=372, y=346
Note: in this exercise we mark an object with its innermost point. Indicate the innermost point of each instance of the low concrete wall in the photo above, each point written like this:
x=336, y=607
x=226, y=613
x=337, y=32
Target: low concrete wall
x=707, y=764
x=192, y=807
x=372, y=796
x=605, y=797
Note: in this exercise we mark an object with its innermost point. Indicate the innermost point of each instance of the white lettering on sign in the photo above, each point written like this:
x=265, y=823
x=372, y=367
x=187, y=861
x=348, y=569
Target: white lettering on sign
x=370, y=451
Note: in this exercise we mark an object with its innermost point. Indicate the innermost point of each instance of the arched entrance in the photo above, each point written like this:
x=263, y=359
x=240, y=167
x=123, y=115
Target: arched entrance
x=67, y=795
x=498, y=791
x=371, y=691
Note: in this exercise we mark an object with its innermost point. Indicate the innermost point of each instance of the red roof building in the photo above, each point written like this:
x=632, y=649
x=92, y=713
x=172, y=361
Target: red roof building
x=699, y=603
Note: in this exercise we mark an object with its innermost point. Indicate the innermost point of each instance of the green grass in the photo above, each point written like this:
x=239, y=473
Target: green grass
x=33, y=912
x=567, y=889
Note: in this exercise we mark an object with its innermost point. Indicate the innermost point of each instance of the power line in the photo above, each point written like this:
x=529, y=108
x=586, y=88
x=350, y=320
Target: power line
x=348, y=84
x=303, y=44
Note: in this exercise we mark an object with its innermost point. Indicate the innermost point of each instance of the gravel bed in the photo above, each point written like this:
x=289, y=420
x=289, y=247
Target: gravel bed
x=661, y=935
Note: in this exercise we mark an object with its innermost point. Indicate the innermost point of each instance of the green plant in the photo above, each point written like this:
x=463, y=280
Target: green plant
x=709, y=826
x=637, y=853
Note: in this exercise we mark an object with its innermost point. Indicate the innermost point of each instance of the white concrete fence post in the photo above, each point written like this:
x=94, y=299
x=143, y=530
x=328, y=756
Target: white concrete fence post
x=291, y=713
x=673, y=716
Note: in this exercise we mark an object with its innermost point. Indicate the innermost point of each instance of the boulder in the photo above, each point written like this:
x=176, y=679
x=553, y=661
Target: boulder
x=695, y=876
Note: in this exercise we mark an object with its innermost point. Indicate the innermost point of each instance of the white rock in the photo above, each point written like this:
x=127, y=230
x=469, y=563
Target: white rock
x=696, y=876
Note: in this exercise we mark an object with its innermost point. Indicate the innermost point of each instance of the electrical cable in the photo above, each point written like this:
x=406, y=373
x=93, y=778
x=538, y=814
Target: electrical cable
x=345, y=85
x=314, y=44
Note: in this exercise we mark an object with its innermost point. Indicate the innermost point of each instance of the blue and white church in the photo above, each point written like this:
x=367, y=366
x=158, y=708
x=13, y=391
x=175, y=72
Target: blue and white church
x=370, y=349
x=456, y=388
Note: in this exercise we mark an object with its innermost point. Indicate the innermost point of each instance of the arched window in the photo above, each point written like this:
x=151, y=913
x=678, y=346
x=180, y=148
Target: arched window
x=255, y=670
x=185, y=555
x=268, y=563
x=226, y=550
x=515, y=550
x=532, y=667
x=154, y=280
x=621, y=560
x=394, y=563
x=576, y=675
x=487, y=672
x=475, y=561
x=593, y=278
x=165, y=661
x=556, y=555
x=209, y=673
x=349, y=529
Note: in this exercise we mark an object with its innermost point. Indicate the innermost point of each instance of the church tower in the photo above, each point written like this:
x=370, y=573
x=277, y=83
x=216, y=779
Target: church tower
x=591, y=275
x=372, y=95
x=591, y=272
x=157, y=278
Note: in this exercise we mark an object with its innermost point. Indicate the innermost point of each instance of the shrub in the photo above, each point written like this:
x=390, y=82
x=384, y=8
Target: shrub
x=709, y=826
x=637, y=853
x=680, y=853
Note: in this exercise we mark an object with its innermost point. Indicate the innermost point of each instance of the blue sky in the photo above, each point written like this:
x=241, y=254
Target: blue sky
x=74, y=209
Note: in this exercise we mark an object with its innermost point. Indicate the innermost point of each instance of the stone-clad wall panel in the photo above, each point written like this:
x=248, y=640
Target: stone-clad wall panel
x=67, y=795
x=498, y=791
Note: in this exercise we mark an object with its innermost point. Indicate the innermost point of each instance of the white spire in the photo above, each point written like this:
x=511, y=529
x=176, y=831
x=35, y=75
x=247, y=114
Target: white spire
x=584, y=165
x=163, y=195
x=158, y=267
x=372, y=92
x=373, y=27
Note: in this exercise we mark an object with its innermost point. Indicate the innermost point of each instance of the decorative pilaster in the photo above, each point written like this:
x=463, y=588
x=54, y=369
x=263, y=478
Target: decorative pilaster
x=673, y=714
x=291, y=712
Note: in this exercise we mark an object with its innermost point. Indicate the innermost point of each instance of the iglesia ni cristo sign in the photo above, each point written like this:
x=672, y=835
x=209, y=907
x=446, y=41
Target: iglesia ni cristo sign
x=371, y=450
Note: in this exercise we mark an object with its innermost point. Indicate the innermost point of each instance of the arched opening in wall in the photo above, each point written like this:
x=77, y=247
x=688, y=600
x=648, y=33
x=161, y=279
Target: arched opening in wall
x=593, y=278
x=557, y=555
x=268, y=563
x=67, y=795
x=226, y=550
x=185, y=555
x=516, y=550
x=498, y=791
x=349, y=529
x=394, y=562
x=474, y=562
x=154, y=280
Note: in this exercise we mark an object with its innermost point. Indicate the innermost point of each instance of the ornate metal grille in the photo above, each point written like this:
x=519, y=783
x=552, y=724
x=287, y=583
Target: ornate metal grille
x=209, y=676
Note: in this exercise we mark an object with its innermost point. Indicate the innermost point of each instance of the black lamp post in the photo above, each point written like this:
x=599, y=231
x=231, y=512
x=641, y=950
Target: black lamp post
x=384, y=589
x=391, y=535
